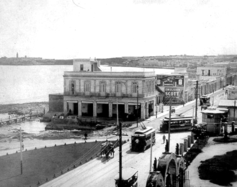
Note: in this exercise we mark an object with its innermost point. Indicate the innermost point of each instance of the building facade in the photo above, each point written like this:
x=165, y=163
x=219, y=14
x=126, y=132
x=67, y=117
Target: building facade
x=91, y=92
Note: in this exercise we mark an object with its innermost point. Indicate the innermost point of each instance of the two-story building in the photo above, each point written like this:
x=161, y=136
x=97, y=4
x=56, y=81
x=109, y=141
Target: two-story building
x=96, y=91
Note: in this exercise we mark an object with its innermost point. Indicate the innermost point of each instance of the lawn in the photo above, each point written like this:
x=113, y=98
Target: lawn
x=41, y=165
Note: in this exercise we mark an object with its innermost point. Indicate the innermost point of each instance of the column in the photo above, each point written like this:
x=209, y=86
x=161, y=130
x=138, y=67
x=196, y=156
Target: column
x=65, y=107
x=185, y=145
x=126, y=108
x=189, y=141
x=192, y=138
x=181, y=145
x=147, y=112
x=142, y=110
x=79, y=108
x=94, y=109
x=110, y=110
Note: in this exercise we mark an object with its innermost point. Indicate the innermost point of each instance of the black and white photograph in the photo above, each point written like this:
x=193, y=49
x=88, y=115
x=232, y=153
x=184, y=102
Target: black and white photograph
x=118, y=93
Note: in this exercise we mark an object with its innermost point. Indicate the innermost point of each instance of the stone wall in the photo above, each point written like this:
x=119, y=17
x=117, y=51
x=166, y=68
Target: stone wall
x=55, y=103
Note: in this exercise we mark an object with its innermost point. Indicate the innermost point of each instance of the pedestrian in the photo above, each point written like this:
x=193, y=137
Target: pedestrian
x=154, y=164
x=85, y=136
x=164, y=138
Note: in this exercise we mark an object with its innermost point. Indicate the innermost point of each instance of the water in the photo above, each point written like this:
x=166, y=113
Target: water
x=22, y=84
x=31, y=127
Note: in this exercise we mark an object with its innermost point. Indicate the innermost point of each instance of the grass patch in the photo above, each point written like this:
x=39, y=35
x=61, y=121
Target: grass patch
x=44, y=164
x=219, y=169
x=195, y=150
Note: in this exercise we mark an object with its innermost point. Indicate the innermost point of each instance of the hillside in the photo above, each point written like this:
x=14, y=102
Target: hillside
x=143, y=61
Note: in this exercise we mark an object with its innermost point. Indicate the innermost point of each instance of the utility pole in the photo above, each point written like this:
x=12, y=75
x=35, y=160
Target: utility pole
x=169, y=128
x=21, y=146
x=151, y=153
x=196, y=96
x=234, y=108
x=137, y=105
x=117, y=116
x=120, y=154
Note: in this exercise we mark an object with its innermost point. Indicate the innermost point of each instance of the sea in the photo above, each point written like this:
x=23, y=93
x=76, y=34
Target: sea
x=23, y=84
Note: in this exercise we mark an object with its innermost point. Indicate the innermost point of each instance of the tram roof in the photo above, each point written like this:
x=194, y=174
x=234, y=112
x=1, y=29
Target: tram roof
x=205, y=96
x=208, y=111
x=143, y=131
x=179, y=118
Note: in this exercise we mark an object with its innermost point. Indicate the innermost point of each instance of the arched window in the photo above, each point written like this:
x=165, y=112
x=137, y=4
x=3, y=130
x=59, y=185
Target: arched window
x=134, y=87
x=118, y=87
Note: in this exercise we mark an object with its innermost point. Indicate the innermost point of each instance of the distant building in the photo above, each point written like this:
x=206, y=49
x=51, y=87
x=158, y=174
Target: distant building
x=212, y=71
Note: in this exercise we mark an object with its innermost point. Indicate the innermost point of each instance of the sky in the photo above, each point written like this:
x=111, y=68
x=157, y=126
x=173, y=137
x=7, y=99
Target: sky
x=67, y=29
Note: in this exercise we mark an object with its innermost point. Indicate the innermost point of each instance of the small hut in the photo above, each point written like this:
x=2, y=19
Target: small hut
x=212, y=117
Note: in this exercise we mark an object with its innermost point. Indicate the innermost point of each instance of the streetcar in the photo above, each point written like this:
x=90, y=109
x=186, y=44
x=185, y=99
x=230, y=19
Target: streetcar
x=205, y=101
x=141, y=139
x=179, y=123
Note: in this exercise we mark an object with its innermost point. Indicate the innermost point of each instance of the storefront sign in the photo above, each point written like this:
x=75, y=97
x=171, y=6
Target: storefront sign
x=173, y=95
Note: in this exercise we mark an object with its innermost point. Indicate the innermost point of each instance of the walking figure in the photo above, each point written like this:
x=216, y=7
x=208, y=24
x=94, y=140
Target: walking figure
x=85, y=136
x=164, y=138
x=155, y=164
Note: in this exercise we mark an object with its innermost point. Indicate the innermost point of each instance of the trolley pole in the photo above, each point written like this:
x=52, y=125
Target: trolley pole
x=196, y=96
x=120, y=154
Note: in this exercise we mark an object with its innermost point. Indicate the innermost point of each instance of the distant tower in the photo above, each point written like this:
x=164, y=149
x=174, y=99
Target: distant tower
x=16, y=55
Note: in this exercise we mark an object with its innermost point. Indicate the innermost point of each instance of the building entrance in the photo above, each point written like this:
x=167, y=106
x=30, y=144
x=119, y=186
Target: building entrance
x=87, y=109
x=151, y=108
x=133, y=111
x=102, y=110
x=75, y=108
x=121, y=110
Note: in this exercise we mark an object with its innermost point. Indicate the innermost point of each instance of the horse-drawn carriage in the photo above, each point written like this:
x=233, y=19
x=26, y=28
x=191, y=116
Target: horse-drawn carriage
x=107, y=149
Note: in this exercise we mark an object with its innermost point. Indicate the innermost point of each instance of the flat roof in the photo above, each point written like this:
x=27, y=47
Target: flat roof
x=106, y=68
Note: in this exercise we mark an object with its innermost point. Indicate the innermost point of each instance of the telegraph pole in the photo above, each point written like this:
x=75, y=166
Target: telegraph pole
x=169, y=128
x=196, y=96
x=137, y=105
x=21, y=146
x=120, y=154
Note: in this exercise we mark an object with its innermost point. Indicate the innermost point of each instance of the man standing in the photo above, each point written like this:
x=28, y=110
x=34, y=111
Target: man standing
x=155, y=164
x=164, y=138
